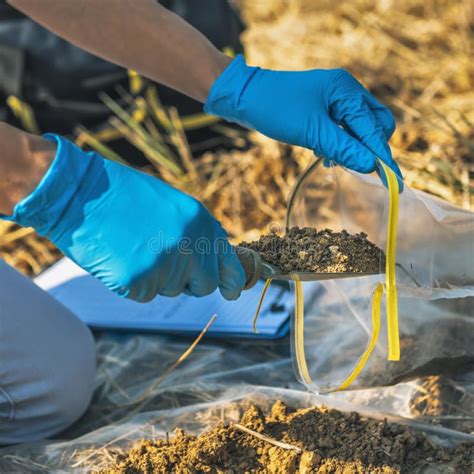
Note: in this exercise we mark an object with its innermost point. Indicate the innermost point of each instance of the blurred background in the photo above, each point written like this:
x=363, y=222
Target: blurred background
x=413, y=55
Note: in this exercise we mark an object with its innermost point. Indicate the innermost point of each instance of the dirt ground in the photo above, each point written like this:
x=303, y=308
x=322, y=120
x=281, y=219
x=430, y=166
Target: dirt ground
x=314, y=440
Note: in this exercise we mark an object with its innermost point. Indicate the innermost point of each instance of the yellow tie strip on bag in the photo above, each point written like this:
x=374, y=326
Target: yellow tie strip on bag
x=259, y=305
x=393, y=336
x=390, y=270
x=376, y=303
x=298, y=332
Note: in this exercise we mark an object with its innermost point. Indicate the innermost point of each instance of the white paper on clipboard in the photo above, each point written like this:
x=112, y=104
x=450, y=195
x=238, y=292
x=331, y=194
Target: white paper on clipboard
x=100, y=308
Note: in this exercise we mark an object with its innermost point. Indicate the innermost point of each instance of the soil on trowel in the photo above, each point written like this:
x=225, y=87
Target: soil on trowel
x=308, y=250
x=318, y=440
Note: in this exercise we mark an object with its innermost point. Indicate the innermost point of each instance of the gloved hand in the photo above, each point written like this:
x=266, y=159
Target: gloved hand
x=308, y=109
x=135, y=233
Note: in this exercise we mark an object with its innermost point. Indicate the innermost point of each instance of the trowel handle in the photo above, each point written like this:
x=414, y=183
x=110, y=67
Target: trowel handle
x=252, y=264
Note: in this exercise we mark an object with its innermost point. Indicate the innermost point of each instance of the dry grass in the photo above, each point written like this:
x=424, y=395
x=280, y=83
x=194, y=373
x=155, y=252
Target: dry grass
x=25, y=250
x=414, y=56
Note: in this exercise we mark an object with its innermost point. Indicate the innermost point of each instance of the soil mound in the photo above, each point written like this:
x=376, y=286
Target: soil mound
x=319, y=440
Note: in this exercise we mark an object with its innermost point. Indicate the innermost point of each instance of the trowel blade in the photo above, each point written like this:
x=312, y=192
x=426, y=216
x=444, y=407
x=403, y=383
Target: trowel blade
x=270, y=271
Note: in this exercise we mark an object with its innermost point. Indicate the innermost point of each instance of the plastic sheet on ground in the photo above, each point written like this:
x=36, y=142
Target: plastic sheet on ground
x=205, y=389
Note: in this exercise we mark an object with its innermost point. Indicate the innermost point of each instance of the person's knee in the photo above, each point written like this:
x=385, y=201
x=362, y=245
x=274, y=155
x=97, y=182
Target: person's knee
x=48, y=362
x=52, y=400
x=70, y=387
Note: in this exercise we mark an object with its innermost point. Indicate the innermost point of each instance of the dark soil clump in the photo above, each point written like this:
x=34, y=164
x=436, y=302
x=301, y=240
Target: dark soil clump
x=307, y=250
x=326, y=441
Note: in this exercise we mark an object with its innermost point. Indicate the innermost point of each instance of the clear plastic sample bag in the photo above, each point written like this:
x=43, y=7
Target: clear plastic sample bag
x=348, y=337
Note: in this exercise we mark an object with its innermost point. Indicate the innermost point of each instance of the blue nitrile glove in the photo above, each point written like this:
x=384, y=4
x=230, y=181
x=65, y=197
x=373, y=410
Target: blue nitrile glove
x=308, y=108
x=135, y=233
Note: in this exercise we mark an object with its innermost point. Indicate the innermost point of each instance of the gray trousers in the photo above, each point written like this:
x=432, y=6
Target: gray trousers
x=47, y=362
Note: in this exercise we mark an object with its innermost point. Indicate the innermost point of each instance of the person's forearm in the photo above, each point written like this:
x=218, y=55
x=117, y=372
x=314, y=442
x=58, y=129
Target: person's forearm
x=136, y=34
x=24, y=160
